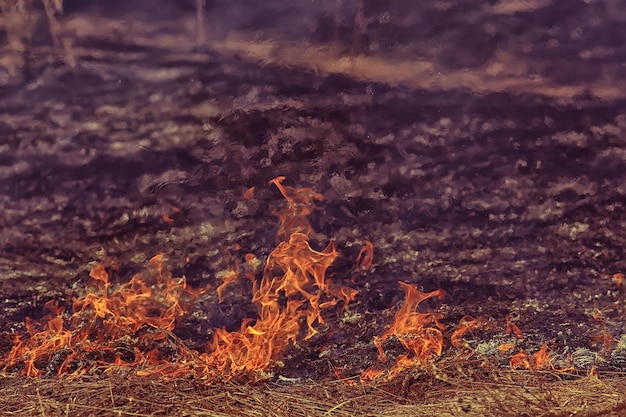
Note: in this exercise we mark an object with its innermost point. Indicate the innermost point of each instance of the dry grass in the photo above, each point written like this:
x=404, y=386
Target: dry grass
x=129, y=395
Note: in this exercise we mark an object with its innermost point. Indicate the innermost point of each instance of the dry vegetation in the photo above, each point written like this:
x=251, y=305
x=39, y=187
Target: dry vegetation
x=506, y=394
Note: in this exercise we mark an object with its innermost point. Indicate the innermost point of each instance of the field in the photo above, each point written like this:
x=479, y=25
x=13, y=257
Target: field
x=279, y=217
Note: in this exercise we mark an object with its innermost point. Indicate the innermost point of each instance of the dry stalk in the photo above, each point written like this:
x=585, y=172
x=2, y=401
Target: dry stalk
x=62, y=43
x=129, y=395
x=17, y=21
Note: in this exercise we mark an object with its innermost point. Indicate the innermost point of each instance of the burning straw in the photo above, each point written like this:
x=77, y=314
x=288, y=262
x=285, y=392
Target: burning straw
x=130, y=325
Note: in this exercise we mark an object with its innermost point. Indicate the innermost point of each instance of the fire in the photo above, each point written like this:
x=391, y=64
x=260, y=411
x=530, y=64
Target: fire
x=541, y=360
x=512, y=328
x=294, y=272
x=143, y=311
x=300, y=203
x=506, y=347
x=419, y=333
x=467, y=323
x=131, y=325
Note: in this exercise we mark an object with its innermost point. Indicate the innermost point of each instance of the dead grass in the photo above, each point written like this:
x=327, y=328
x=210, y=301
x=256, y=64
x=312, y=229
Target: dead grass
x=130, y=395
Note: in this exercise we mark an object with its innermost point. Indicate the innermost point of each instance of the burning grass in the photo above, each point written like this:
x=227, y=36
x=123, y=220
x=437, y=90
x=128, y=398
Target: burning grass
x=117, y=347
x=130, y=325
x=127, y=327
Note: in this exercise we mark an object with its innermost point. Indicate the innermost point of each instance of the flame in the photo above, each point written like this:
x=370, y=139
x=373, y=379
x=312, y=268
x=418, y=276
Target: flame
x=130, y=325
x=618, y=279
x=520, y=361
x=541, y=360
x=371, y=374
x=143, y=310
x=466, y=324
x=227, y=278
x=604, y=339
x=294, y=272
x=505, y=347
x=300, y=203
x=419, y=333
x=301, y=281
x=248, y=194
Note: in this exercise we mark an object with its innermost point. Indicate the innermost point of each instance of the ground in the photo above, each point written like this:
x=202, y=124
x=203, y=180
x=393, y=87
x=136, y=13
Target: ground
x=492, y=171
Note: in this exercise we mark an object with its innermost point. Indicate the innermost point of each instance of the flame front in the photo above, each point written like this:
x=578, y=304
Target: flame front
x=144, y=310
x=132, y=325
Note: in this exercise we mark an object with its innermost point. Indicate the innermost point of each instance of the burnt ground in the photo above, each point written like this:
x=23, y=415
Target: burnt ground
x=509, y=196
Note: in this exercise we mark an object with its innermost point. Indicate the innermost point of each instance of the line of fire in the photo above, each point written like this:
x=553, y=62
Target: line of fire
x=130, y=326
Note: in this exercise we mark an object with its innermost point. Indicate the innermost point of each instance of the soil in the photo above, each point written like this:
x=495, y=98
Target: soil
x=496, y=174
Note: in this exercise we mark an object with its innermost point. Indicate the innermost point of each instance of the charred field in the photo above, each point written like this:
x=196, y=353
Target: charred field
x=495, y=181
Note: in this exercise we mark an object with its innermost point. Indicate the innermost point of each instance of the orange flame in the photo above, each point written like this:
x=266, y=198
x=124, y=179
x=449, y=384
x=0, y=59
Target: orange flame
x=248, y=194
x=520, y=361
x=466, y=324
x=541, y=360
x=605, y=339
x=146, y=309
x=371, y=374
x=228, y=278
x=512, y=328
x=505, y=347
x=294, y=272
x=300, y=203
x=129, y=325
x=419, y=333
